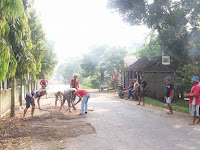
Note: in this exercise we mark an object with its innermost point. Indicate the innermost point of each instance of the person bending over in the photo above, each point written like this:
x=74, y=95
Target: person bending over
x=84, y=97
x=30, y=100
x=67, y=95
x=58, y=96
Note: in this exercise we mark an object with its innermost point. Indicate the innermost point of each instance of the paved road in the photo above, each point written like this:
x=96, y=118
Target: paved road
x=125, y=126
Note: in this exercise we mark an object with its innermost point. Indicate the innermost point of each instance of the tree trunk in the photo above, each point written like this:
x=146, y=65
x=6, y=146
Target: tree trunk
x=12, y=113
x=182, y=94
x=21, y=90
x=115, y=86
x=102, y=76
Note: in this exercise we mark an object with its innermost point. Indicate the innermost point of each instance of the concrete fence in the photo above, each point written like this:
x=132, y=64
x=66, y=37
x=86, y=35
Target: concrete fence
x=5, y=99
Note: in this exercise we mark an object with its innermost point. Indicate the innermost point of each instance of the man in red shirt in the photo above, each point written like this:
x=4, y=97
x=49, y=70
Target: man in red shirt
x=194, y=102
x=84, y=96
x=44, y=83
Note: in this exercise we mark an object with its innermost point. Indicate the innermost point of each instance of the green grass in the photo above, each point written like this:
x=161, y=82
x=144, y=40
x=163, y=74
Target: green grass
x=180, y=105
x=88, y=88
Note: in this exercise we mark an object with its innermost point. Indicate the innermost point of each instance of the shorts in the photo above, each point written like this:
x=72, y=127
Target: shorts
x=168, y=100
x=142, y=93
x=44, y=87
x=66, y=97
x=28, y=101
x=194, y=110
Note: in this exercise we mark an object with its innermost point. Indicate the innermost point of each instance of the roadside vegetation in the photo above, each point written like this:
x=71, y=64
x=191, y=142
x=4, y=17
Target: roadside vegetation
x=180, y=105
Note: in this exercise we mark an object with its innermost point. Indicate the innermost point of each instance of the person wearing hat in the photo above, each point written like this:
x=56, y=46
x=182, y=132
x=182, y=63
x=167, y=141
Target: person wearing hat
x=194, y=101
x=74, y=84
x=169, y=94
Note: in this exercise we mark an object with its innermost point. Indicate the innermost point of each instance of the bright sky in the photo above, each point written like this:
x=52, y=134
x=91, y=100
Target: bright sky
x=75, y=25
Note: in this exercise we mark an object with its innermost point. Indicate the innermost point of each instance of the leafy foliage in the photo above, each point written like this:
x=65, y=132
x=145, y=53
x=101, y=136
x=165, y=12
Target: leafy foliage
x=49, y=61
x=10, y=13
x=150, y=49
x=91, y=60
x=69, y=68
x=183, y=78
x=176, y=22
x=99, y=65
x=22, y=41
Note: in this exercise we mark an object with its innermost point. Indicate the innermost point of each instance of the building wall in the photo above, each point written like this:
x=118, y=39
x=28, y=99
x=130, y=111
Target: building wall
x=5, y=101
x=156, y=84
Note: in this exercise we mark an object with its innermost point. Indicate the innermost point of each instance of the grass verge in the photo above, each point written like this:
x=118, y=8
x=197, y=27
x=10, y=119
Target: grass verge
x=88, y=88
x=180, y=105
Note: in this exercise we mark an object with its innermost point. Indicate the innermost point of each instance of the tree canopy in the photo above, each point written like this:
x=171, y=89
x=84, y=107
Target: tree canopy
x=102, y=61
x=22, y=40
x=69, y=68
x=176, y=22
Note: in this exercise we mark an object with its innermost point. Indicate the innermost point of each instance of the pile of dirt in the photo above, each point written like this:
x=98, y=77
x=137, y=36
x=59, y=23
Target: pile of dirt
x=48, y=125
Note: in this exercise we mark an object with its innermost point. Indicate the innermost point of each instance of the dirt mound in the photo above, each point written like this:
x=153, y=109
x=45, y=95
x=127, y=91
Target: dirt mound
x=48, y=125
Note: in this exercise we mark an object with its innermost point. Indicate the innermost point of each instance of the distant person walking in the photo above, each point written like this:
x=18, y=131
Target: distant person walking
x=44, y=83
x=135, y=89
x=194, y=102
x=84, y=97
x=143, y=87
x=169, y=94
x=74, y=84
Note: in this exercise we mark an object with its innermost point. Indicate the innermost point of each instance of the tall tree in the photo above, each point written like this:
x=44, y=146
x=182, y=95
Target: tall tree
x=150, y=48
x=177, y=24
x=49, y=61
x=10, y=12
x=69, y=68
x=91, y=60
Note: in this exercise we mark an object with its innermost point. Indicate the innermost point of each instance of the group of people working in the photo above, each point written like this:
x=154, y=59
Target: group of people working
x=68, y=95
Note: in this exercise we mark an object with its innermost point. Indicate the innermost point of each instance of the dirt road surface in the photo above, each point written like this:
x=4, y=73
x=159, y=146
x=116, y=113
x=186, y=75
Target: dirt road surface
x=111, y=124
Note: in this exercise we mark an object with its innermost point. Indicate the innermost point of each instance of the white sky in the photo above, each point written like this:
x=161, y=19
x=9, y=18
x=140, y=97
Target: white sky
x=74, y=25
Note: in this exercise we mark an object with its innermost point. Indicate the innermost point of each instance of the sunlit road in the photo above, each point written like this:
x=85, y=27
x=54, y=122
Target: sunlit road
x=121, y=126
